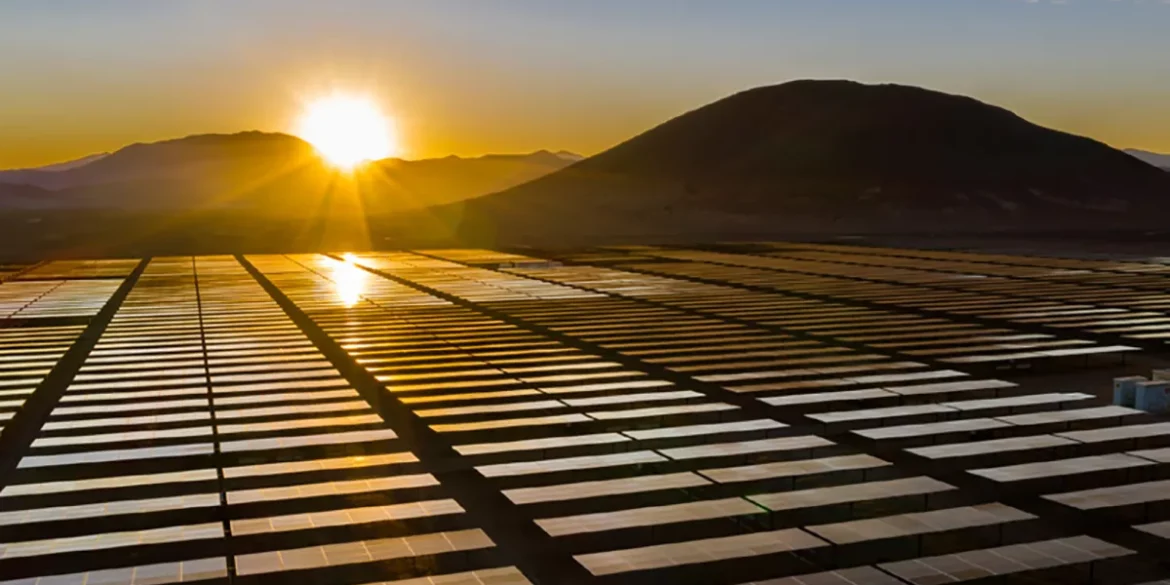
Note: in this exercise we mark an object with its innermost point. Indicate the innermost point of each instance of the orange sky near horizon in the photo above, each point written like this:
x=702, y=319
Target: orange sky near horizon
x=471, y=78
x=427, y=132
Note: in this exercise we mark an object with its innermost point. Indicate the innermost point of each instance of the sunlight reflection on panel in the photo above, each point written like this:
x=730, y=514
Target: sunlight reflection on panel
x=350, y=280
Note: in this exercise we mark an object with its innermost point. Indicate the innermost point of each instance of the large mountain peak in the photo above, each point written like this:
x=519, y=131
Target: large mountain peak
x=831, y=155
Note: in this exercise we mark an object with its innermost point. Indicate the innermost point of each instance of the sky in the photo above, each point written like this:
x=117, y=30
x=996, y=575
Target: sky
x=470, y=77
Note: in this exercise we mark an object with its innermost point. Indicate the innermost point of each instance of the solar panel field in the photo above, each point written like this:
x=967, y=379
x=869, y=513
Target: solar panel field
x=749, y=413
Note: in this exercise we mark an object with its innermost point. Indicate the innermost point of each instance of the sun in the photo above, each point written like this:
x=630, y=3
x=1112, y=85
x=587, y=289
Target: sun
x=347, y=130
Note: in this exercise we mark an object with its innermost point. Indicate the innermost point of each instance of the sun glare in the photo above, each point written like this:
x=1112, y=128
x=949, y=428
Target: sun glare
x=350, y=280
x=347, y=130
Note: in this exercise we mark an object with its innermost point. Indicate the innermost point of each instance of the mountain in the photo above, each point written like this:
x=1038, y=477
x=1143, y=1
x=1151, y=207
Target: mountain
x=73, y=164
x=202, y=157
x=1158, y=160
x=821, y=156
x=263, y=172
x=38, y=174
x=569, y=156
x=435, y=181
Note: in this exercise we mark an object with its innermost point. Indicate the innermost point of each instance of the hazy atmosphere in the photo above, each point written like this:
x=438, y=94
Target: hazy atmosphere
x=489, y=76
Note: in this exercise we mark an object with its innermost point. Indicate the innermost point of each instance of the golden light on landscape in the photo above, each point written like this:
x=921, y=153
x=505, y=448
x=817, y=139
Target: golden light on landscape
x=348, y=130
x=350, y=280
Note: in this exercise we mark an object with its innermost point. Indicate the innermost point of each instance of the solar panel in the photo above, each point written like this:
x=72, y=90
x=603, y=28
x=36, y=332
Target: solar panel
x=694, y=416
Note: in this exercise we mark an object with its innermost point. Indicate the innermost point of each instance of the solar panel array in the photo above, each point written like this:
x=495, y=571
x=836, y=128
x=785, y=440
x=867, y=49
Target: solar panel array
x=740, y=414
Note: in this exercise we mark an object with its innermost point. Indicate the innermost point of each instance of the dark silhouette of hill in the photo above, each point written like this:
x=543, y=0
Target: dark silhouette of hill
x=73, y=164
x=825, y=156
x=32, y=174
x=38, y=175
x=1159, y=160
x=23, y=196
x=261, y=173
x=184, y=158
x=233, y=193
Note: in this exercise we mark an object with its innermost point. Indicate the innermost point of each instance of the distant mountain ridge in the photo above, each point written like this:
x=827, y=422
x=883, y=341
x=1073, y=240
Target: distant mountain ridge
x=257, y=170
x=34, y=175
x=75, y=163
x=70, y=164
x=157, y=160
x=825, y=156
x=1154, y=158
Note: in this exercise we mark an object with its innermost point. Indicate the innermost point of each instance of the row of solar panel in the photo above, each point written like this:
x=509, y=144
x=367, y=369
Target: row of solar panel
x=655, y=427
x=494, y=291
x=202, y=415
